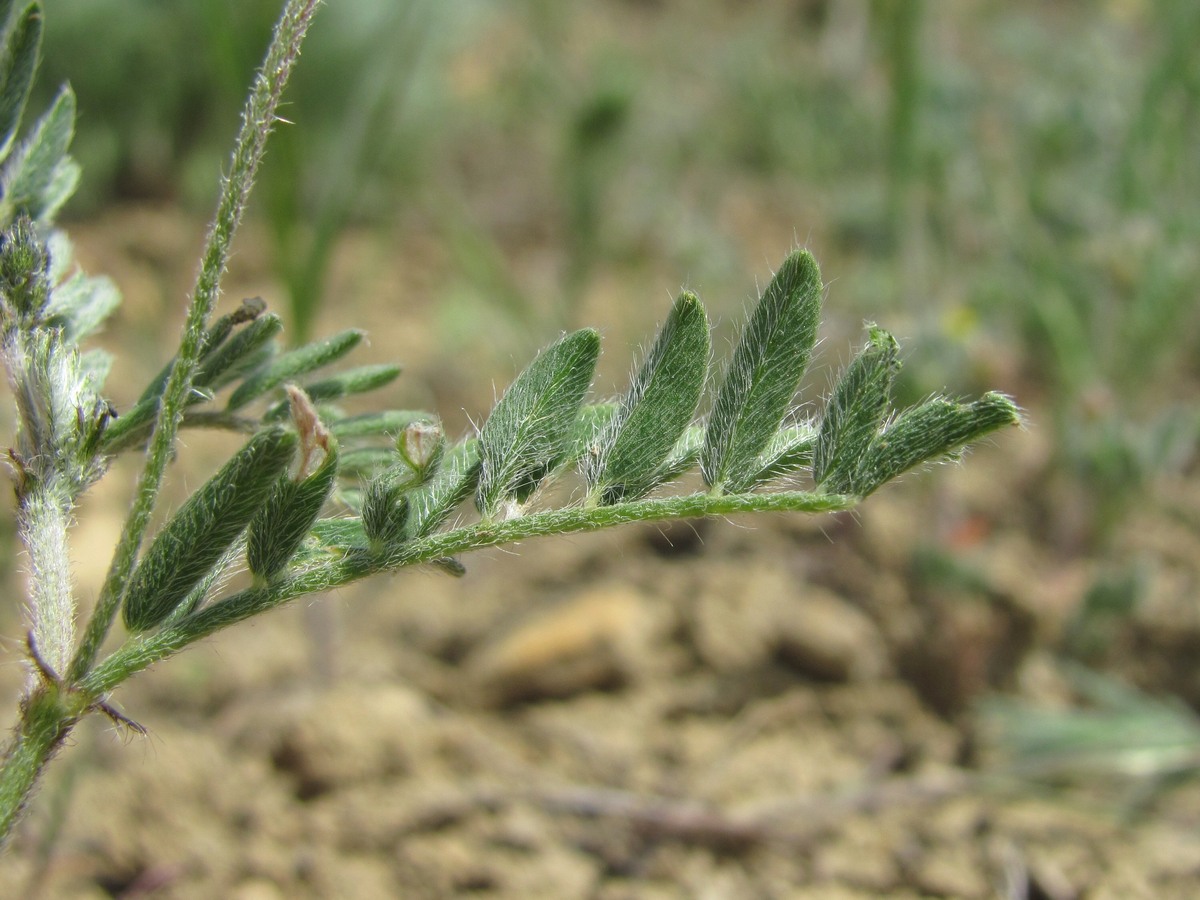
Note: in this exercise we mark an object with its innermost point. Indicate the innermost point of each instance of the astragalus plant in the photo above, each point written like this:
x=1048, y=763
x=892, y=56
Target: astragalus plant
x=315, y=498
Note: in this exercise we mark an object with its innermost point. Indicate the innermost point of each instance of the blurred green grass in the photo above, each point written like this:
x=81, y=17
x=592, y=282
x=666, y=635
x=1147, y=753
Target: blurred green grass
x=1013, y=188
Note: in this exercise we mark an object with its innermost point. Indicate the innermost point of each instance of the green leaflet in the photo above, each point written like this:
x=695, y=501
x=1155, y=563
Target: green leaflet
x=199, y=592
x=531, y=427
x=39, y=177
x=683, y=455
x=456, y=479
x=364, y=462
x=855, y=413
x=24, y=282
x=213, y=339
x=767, y=365
x=80, y=305
x=657, y=408
x=96, y=364
x=390, y=422
x=226, y=360
x=936, y=428
x=223, y=362
x=585, y=435
x=340, y=534
x=249, y=310
x=287, y=516
x=789, y=450
x=193, y=541
x=22, y=39
x=344, y=384
x=385, y=507
x=296, y=362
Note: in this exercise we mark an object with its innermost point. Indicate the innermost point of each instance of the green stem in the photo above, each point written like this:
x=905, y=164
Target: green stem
x=258, y=119
x=142, y=652
x=45, y=723
x=43, y=519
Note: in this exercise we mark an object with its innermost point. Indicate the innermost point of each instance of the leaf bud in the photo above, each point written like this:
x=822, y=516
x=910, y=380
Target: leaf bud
x=421, y=446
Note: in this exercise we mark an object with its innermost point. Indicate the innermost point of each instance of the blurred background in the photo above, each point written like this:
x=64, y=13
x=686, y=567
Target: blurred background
x=1012, y=188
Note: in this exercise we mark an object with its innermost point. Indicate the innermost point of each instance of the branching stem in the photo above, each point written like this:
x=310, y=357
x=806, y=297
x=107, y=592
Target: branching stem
x=51, y=709
x=139, y=653
x=258, y=119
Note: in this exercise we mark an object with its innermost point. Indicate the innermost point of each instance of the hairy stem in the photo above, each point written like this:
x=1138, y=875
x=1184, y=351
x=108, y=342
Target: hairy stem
x=142, y=652
x=50, y=710
x=45, y=723
x=43, y=518
x=258, y=119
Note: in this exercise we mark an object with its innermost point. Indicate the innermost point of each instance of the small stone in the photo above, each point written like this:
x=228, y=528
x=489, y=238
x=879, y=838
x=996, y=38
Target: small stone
x=257, y=889
x=346, y=736
x=825, y=637
x=594, y=641
x=745, y=619
x=730, y=618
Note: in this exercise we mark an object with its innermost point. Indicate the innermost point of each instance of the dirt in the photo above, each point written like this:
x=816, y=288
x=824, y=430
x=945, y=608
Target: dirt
x=776, y=707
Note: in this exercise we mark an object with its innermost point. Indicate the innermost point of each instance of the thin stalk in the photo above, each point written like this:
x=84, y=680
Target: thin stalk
x=142, y=652
x=258, y=119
